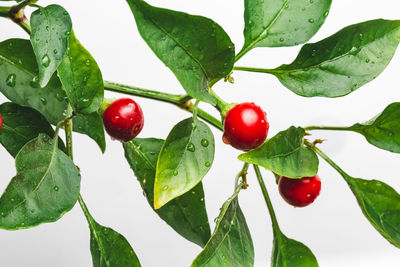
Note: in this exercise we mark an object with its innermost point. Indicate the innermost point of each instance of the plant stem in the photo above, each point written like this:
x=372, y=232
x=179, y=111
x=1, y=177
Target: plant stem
x=221, y=104
x=242, y=174
x=334, y=128
x=4, y=11
x=181, y=101
x=255, y=70
x=165, y=97
x=327, y=159
x=275, y=224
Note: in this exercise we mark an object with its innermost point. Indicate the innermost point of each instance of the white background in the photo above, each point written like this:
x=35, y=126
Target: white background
x=333, y=227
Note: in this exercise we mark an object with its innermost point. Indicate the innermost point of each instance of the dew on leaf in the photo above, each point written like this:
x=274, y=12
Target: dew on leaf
x=191, y=147
x=204, y=142
x=45, y=61
x=10, y=81
x=56, y=188
x=175, y=173
x=43, y=100
x=311, y=20
x=55, y=51
x=326, y=14
x=165, y=187
x=207, y=164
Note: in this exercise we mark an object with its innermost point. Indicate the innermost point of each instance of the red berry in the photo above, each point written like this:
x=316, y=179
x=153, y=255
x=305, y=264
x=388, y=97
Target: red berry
x=245, y=126
x=1, y=122
x=123, y=119
x=299, y=192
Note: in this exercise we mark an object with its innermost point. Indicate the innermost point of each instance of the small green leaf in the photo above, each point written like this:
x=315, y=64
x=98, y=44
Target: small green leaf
x=282, y=23
x=81, y=78
x=380, y=204
x=19, y=83
x=185, y=214
x=91, y=125
x=384, y=130
x=109, y=248
x=289, y=252
x=184, y=160
x=285, y=155
x=22, y=124
x=196, y=49
x=231, y=243
x=343, y=62
x=51, y=27
x=45, y=188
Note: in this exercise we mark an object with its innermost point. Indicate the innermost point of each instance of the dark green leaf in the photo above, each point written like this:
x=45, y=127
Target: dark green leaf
x=91, y=125
x=288, y=252
x=109, y=248
x=231, y=243
x=45, y=188
x=384, y=130
x=184, y=160
x=380, y=204
x=196, y=49
x=20, y=85
x=185, y=214
x=285, y=155
x=343, y=62
x=81, y=78
x=51, y=27
x=22, y=124
x=283, y=22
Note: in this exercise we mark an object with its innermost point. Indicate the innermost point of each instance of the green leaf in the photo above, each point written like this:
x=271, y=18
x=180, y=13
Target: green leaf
x=343, y=62
x=289, y=252
x=109, y=248
x=384, y=130
x=45, y=188
x=22, y=124
x=282, y=23
x=285, y=155
x=195, y=48
x=380, y=204
x=184, y=160
x=91, y=125
x=81, y=78
x=51, y=27
x=185, y=214
x=19, y=83
x=231, y=243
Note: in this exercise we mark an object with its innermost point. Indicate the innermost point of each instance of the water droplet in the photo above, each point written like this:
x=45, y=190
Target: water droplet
x=34, y=83
x=3, y=214
x=175, y=173
x=10, y=81
x=144, y=181
x=106, y=231
x=311, y=20
x=45, y=61
x=193, y=192
x=202, y=199
x=55, y=51
x=311, y=1
x=367, y=60
x=286, y=6
x=207, y=164
x=22, y=224
x=56, y=188
x=191, y=147
x=59, y=96
x=326, y=14
x=43, y=100
x=87, y=62
x=67, y=33
x=12, y=200
x=165, y=187
x=303, y=9
x=281, y=39
x=32, y=211
x=115, y=119
x=204, y=142
x=65, y=13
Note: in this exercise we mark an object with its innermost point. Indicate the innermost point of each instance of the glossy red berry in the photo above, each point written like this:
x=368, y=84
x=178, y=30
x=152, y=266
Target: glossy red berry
x=299, y=192
x=123, y=119
x=245, y=126
x=1, y=122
